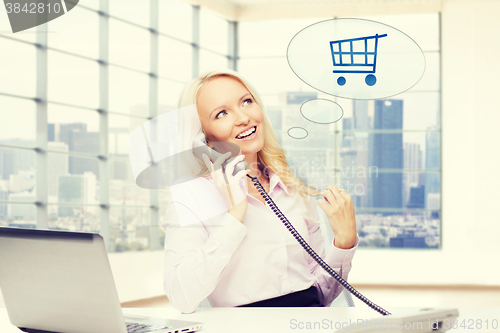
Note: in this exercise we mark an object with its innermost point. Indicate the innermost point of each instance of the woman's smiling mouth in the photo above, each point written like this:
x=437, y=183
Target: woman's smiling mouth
x=248, y=134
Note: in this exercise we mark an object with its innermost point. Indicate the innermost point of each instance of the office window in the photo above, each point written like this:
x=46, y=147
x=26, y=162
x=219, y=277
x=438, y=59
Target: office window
x=77, y=129
x=119, y=128
x=83, y=93
x=129, y=229
x=129, y=45
x=18, y=215
x=13, y=131
x=122, y=187
x=79, y=37
x=175, y=59
x=73, y=217
x=386, y=153
x=91, y=4
x=72, y=80
x=130, y=10
x=176, y=19
x=211, y=61
x=270, y=38
x=17, y=174
x=79, y=184
x=17, y=65
x=213, y=32
x=168, y=95
x=128, y=91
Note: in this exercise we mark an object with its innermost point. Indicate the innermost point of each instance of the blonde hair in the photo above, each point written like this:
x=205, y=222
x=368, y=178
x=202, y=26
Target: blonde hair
x=272, y=155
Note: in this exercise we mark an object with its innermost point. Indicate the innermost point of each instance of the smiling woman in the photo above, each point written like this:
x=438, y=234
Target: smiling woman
x=245, y=256
x=236, y=117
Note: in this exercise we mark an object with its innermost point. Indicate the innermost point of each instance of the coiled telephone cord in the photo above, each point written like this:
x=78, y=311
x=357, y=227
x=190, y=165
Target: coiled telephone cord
x=310, y=251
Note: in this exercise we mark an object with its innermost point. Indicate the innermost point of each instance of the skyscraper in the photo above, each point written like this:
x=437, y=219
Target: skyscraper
x=65, y=131
x=13, y=160
x=360, y=114
x=432, y=161
x=57, y=165
x=362, y=123
x=75, y=189
x=349, y=137
x=416, y=200
x=84, y=142
x=276, y=118
x=77, y=138
x=412, y=161
x=8, y=163
x=387, y=153
x=51, y=134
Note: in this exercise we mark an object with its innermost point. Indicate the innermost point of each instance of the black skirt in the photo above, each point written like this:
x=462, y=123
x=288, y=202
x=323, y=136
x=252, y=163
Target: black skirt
x=303, y=298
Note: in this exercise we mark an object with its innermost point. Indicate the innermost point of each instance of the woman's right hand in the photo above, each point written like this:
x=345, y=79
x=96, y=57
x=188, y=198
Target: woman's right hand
x=229, y=185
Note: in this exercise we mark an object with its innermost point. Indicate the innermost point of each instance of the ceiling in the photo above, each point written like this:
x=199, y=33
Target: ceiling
x=252, y=10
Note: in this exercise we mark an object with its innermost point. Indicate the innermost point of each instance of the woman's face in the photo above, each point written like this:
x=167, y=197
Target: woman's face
x=229, y=113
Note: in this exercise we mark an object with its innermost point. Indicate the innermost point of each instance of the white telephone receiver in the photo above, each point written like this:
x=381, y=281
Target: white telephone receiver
x=200, y=147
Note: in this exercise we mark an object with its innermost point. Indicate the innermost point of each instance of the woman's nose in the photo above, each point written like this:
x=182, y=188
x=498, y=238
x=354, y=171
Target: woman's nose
x=242, y=118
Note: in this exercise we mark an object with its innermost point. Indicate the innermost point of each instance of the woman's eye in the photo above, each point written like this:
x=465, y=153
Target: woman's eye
x=247, y=101
x=220, y=114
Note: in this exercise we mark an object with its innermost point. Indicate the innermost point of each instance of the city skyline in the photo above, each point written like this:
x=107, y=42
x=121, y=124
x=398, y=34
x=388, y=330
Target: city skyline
x=354, y=149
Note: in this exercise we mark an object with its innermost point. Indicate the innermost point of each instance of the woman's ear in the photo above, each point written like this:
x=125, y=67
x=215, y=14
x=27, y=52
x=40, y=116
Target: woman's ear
x=206, y=140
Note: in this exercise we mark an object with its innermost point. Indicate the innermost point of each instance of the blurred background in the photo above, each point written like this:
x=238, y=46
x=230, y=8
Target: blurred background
x=419, y=165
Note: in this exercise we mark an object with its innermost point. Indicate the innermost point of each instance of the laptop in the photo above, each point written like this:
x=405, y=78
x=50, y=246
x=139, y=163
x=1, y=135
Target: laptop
x=59, y=281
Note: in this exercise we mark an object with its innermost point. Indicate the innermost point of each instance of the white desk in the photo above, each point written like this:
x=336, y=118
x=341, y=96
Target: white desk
x=243, y=320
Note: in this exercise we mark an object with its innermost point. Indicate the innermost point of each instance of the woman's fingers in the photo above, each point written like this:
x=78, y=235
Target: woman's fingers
x=207, y=162
x=323, y=205
x=231, y=165
x=329, y=197
x=221, y=159
x=335, y=192
x=241, y=174
x=238, y=195
x=336, y=197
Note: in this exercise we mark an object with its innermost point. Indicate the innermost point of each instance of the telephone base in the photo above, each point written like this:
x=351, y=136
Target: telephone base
x=423, y=321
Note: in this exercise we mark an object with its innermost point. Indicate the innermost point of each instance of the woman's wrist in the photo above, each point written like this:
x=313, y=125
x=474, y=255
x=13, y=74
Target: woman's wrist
x=344, y=242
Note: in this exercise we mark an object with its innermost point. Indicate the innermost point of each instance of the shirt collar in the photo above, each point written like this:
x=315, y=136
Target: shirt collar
x=274, y=180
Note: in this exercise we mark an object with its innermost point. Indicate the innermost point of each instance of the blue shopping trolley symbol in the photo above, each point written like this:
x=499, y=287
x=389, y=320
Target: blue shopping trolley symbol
x=365, y=61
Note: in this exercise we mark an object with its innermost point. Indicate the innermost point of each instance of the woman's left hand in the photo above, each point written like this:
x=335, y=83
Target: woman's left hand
x=340, y=213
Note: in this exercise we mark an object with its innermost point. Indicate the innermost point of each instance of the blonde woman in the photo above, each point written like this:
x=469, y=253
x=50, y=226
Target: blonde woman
x=245, y=256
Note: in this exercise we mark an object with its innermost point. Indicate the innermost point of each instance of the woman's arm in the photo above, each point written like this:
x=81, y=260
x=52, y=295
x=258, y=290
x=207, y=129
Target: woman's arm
x=196, y=255
x=337, y=258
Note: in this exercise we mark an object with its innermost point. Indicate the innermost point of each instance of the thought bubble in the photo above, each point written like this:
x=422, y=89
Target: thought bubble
x=321, y=111
x=297, y=132
x=356, y=59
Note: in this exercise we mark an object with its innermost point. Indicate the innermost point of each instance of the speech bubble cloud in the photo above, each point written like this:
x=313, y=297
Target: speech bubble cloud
x=297, y=132
x=321, y=111
x=356, y=59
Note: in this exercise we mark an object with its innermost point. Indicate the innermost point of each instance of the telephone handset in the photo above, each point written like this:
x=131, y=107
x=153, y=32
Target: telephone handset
x=200, y=147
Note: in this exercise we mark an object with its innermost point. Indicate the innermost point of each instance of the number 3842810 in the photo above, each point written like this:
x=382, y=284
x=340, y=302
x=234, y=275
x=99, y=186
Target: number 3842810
x=33, y=8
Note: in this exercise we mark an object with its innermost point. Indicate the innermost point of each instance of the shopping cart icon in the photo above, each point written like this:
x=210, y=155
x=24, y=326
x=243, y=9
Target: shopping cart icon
x=356, y=55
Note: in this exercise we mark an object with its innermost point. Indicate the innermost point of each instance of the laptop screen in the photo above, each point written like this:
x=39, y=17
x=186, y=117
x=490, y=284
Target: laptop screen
x=58, y=281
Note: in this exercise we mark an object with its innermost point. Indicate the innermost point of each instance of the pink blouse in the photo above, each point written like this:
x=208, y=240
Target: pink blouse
x=209, y=253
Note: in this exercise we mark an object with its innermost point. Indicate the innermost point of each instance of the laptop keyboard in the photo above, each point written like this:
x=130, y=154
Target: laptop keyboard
x=141, y=328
